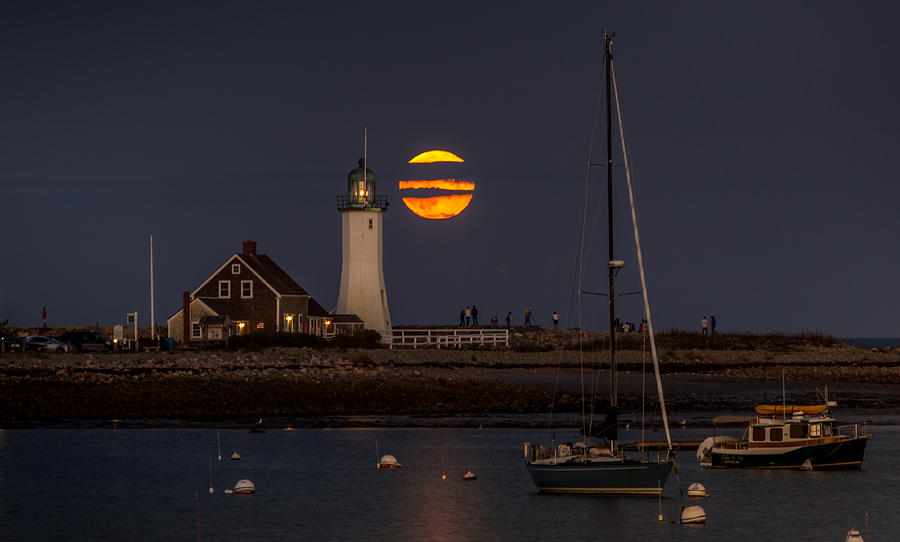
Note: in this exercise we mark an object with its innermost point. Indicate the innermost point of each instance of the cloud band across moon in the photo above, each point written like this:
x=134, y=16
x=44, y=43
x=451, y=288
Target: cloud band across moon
x=444, y=184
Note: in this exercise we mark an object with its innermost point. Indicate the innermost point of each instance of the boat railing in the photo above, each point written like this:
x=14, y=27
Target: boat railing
x=850, y=430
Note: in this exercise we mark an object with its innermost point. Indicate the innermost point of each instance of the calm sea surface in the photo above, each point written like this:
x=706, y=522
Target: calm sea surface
x=140, y=484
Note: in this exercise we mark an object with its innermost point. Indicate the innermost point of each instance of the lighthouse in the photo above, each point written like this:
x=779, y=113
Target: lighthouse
x=362, y=278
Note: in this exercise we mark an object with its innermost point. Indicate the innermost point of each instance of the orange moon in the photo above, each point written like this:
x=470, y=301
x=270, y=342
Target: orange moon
x=442, y=206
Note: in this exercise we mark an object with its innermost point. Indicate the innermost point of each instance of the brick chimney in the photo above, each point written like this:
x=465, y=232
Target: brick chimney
x=249, y=247
x=186, y=317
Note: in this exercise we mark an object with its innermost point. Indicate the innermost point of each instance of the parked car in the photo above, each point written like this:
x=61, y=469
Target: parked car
x=45, y=344
x=12, y=344
x=82, y=341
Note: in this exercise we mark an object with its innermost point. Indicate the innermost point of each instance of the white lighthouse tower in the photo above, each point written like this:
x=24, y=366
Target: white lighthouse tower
x=362, y=278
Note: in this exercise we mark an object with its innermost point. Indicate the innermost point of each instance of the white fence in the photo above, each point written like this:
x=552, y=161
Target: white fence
x=444, y=338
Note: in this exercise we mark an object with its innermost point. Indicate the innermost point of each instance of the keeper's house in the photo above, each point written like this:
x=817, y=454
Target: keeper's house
x=248, y=293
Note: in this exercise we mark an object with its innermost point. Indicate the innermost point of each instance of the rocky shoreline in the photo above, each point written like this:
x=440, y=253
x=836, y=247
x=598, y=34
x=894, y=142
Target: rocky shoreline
x=311, y=383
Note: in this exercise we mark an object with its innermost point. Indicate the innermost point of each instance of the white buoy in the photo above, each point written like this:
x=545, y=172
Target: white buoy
x=235, y=457
x=244, y=487
x=693, y=515
x=807, y=465
x=853, y=536
x=389, y=462
x=228, y=492
x=468, y=475
x=697, y=490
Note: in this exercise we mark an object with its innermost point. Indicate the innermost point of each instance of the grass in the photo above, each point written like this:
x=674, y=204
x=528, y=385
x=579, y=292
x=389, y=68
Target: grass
x=679, y=340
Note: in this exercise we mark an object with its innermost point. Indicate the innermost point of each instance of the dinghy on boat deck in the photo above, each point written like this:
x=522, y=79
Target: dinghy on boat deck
x=790, y=410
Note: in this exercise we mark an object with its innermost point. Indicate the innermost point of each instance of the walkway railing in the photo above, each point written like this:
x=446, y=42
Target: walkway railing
x=444, y=338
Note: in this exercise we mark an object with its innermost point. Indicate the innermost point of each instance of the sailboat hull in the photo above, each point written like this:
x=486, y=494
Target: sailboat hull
x=627, y=477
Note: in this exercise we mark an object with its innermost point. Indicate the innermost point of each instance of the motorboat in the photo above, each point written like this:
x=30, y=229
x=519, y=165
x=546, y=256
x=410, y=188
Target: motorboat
x=796, y=442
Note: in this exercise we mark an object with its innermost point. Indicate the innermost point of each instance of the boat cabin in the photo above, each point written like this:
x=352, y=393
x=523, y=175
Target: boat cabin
x=790, y=432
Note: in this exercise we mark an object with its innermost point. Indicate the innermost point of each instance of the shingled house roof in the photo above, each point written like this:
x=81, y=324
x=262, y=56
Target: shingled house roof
x=315, y=309
x=264, y=267
x=274, y=275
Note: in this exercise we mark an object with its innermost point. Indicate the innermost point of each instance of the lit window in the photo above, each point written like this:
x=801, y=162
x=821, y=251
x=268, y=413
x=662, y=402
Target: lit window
x=246, y=289
x=235, y=269
x=260, y=325
x=195, y=330
x=224, y=289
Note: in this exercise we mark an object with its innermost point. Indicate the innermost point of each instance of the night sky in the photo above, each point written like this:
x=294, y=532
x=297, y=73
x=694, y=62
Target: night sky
x=762, y=137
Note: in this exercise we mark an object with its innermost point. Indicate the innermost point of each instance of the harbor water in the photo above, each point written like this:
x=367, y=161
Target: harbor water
x=323, y=484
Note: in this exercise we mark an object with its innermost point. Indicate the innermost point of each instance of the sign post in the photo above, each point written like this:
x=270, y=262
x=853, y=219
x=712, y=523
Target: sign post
x=132, y=318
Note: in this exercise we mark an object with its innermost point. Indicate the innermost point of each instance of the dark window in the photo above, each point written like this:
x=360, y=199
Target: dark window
x=759, y=433
x=370, y=223
x=224, y=288
x=776, y=433
x=195, y=330
x=798, y=431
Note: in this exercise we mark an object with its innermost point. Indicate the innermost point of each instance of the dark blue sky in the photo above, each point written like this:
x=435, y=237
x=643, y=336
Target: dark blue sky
x=762, y=135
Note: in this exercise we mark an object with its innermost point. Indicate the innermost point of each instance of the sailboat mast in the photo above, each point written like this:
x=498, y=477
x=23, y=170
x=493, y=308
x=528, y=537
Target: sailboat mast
x=613, y=388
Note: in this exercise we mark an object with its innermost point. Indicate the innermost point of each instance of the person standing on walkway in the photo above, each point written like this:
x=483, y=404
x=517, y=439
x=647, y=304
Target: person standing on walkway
x=555, y=320
x=494, y=321
x=474, y=315
x=462, y=317
x=44, y=317
x=704, y=325
x=508, y=319
x=469, y=314
x=528, y=316
x=712, y=324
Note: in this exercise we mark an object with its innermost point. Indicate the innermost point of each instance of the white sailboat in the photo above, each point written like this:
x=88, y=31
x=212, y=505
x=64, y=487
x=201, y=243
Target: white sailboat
x=603, y=468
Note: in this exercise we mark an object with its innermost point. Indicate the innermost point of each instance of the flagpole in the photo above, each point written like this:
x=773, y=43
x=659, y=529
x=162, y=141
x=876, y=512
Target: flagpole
x=152, y=299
